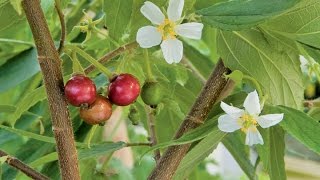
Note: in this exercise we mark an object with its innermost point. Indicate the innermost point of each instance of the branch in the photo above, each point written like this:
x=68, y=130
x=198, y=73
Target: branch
x=16, y=163
x=62, y=24
x=171, y=159
x=152, y=130
x=112, y=54
x=50, y=64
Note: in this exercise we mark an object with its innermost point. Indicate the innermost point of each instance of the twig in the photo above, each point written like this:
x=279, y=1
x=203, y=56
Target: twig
x=62, y=24
x=171, y=159
x=112, y=54
x=152, y=130
x=16, y=163
x=50, y=64
x=138, y=144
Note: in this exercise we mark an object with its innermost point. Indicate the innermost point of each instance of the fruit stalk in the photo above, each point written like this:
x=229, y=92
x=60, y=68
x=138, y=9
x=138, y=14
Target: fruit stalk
x=209, y=95
x=49, y=61
x=16, y=163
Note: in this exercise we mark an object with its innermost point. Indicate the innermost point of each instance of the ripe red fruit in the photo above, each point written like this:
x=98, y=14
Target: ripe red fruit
x=124, y=89
x=98, y=112
x=80, y=90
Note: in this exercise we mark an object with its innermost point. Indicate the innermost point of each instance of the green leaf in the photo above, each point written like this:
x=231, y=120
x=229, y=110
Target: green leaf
x=7, y=108
x=238, y=15
x=278, y=72
x=118, y=15
x=18, y=69
x=94, y=151
x=198, y=153
x=234, y=142
x=301, y=24
x=299, y=125
x=27, y=102
x=272, y=152
x=17, y=5
x=38, y=137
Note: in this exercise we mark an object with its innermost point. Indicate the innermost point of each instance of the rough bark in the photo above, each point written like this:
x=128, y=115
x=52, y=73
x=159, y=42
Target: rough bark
x=16, y=163
x=49, y=61
x=170, y=160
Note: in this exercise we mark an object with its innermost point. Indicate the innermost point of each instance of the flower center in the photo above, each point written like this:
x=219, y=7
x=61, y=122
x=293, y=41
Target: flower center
x=167, y=29
x=246, y=121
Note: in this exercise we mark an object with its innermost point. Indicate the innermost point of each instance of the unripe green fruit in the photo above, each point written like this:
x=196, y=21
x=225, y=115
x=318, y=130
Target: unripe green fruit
x=134, y=115
x=152, y=93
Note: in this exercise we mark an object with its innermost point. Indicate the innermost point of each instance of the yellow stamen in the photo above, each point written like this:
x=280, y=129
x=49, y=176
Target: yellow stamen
x=246, y=121
x=167, y=29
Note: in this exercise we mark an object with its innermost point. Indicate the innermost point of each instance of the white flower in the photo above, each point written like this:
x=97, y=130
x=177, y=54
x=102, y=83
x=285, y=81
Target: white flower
x=166, y=29
x=247, y=120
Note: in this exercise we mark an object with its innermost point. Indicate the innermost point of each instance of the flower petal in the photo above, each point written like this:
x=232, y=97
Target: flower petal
x=268, y=120
x=172, y=50
x=252, y=103
x=253, y=136
x=227, y=123
x=152, y=12
x=175, y=9
x=230, y=110
x=190, y=30
x=148, y=36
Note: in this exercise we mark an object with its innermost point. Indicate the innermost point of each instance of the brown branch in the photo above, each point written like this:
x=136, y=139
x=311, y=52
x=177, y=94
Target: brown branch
x=19, y=165
x=171, y=159
x=50, y=64
x=62, y=24
x=112, y=54
x=152, y=131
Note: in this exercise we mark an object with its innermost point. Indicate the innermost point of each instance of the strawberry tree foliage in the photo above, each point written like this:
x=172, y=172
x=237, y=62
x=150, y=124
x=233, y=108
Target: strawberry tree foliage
x=260, y=41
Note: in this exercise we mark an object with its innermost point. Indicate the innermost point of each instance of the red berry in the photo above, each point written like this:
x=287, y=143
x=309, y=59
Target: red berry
x=124, y=89
x=98, y=112
x=80, y=90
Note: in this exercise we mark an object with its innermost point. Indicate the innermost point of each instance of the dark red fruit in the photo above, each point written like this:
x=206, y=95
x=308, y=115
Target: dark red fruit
x=80, y=90
x=124, y=89
x=98, y=112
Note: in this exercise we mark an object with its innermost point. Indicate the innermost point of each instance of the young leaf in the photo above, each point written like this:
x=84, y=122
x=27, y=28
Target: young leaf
x=238, y=15
x=278, y=72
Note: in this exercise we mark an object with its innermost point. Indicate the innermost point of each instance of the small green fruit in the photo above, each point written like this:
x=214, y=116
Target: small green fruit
x=134, y=115
x=152, y=93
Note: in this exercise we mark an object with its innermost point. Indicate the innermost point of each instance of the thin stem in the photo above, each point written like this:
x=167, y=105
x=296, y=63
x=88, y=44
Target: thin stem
x=147, y=62
x=16, y=41
x=152, y=131
x=27, y=170
x=91, y=134
x=89, y=58
x=62, y=24
x=170, y=160
x=112, y=54
x=138, y=144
